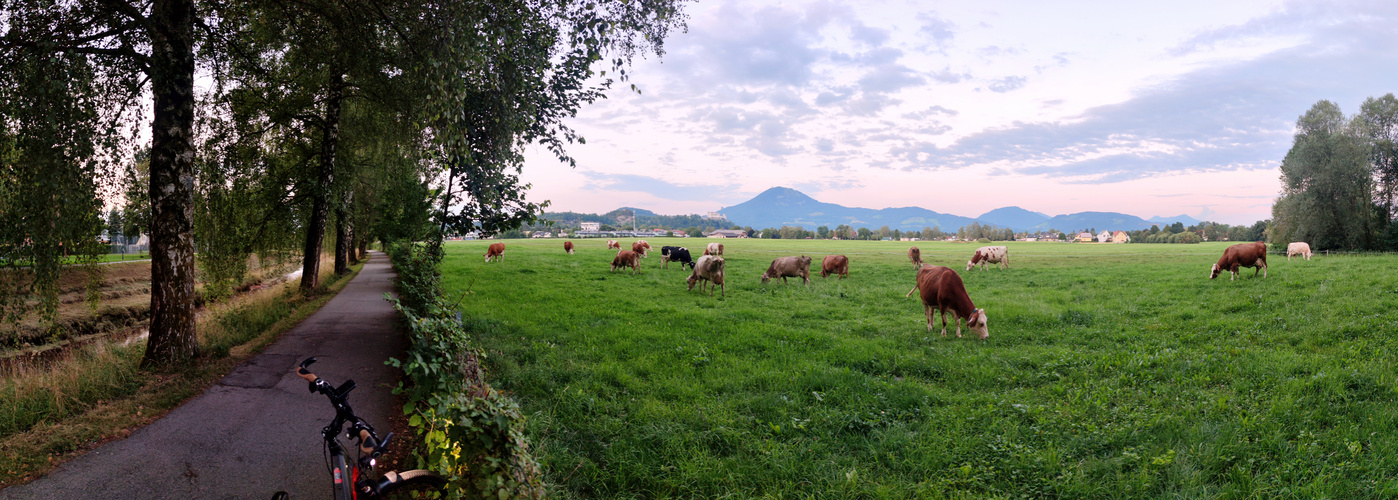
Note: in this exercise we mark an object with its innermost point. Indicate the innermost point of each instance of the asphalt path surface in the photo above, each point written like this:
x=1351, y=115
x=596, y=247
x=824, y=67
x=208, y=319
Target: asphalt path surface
x=256, y=431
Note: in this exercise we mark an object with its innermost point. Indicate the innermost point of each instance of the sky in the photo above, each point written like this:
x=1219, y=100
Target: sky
x=1147, y=108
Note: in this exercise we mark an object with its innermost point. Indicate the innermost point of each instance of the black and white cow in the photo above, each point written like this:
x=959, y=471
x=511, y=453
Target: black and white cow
x=670, y=254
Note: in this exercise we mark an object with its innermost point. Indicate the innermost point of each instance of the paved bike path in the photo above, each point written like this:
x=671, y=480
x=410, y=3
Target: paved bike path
x=257, y=430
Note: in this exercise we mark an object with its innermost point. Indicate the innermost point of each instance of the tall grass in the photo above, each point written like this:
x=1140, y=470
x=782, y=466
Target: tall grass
x=43, y=409
x=1110, y=371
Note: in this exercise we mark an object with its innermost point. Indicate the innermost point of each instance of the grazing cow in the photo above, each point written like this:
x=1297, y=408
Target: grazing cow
x=496, y=251
x=942, y=290
x=782, y=267
x=992, y=255
x=1242, y=255
x=709, y=268
x=627, y=258
x=713, y=249
x=670, y=254
x=834, y=264
x=568, y=247
x=640, y=247
x=613, y=244
x=915, y=255
x=1298, y=248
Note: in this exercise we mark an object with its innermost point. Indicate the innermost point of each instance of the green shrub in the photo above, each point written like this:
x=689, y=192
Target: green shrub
x=471, y=433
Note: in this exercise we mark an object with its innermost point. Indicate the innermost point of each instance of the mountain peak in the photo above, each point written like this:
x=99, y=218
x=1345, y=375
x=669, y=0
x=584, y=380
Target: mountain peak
x=784, y=195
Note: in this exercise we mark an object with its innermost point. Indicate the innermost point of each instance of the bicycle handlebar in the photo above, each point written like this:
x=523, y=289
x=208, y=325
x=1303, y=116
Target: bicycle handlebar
x=369, y=442
x=370, y=446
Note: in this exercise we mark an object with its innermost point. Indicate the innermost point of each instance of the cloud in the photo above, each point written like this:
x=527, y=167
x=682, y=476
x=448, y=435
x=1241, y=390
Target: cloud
x=770, y=45
x=890, y=78
x=929, y=112
x=1007, y=84
x=938, y=30
x=1233, y=116
x=661, y=189
x=993, y=51
x=868, y=35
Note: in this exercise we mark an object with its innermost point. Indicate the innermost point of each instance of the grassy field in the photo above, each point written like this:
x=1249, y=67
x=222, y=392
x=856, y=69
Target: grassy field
x=1111, y=371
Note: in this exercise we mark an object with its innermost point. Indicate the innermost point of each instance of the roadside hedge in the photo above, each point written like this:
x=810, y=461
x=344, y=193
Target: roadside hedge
x=471, y=433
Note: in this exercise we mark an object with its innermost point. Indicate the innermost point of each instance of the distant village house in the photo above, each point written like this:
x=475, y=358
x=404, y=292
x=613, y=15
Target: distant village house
x=726, y=233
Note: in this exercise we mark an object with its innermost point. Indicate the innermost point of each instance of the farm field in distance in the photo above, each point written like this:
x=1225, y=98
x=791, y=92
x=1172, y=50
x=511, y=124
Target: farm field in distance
x=1111, y=371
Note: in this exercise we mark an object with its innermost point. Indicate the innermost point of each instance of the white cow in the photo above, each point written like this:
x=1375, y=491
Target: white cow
x=713, y=249
x=1298, y=248
x=994, y=255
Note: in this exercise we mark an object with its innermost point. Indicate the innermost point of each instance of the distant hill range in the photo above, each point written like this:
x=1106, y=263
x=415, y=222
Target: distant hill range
x=781, y=206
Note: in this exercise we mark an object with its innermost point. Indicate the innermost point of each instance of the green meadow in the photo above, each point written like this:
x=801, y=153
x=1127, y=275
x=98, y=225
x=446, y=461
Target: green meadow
x=1111, y=371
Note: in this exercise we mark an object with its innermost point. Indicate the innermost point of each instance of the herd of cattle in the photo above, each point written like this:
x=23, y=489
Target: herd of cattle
x=940, y=287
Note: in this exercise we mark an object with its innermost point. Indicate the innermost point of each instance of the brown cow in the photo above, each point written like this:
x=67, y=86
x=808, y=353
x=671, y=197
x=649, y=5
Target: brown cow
x=640, y=247
x=496, y=251
x=915, y=255
x=613, y=244
x=782, y=267
x=627, y=258
x=834, y=264
x=942, y=290
x=708, y=268
x=1242, y=255
x=713, y=249
x=568, y=247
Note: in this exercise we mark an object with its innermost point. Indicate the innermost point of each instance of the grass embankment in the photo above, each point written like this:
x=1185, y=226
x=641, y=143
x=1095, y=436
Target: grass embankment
x=98, y=393
x=122, y=291
x=1111, y=371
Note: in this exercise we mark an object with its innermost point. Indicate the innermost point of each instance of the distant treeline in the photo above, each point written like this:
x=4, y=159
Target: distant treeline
x=620, y=219
x=1174, y=233
x=695, y=225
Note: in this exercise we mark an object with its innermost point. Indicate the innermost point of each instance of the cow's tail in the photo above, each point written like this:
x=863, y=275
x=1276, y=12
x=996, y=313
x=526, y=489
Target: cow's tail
x=910, y=292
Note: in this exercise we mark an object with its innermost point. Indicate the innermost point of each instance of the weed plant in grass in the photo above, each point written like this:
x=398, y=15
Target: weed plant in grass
x=1111, y=371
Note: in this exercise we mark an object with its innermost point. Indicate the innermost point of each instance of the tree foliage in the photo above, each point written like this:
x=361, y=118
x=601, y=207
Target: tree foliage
x=1327, y=184
x=52, y=140
x=435, y=102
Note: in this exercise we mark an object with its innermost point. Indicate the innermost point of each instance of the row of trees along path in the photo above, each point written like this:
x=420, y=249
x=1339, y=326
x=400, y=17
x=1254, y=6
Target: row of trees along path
x=353, y=118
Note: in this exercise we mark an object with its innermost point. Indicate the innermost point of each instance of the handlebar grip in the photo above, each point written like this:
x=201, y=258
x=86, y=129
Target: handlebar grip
x=310, y=377
x=302, y=372
x=366, y=442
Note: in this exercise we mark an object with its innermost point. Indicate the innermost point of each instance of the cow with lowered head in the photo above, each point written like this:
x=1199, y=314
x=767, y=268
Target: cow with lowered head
x=495, y=251
x=708, y=269
x=670, y=254
x=942, y=290
x=834, y=264
x=990, y=255
x=625, y=259
x=783, y=267
x=1241, y=255
x=915, y=255
x=1300, y=248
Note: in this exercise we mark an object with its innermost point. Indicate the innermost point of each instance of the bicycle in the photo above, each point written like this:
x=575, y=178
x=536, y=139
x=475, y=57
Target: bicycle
x=360, y=485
